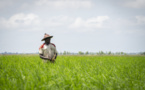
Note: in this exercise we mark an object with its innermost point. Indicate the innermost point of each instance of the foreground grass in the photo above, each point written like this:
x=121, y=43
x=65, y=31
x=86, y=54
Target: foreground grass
x=18, y=72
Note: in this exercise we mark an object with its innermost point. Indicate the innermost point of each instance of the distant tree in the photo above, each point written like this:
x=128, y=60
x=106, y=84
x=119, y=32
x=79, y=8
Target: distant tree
x=109, y=53
x=143, y=53
x=64, y=53
x=125, y=53
x=68, y=53
x=121, y=53
x=87, y=53
x=80, y=53
x=101, y=52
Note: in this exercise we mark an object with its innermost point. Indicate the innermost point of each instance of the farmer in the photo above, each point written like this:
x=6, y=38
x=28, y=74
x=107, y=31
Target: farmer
x=47, y=51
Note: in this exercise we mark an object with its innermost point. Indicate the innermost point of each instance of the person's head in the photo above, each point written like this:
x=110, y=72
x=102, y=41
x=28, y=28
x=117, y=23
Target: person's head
x=47, y=40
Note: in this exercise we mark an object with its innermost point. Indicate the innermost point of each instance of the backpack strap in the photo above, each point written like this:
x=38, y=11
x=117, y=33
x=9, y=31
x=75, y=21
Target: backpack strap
x=42, y=46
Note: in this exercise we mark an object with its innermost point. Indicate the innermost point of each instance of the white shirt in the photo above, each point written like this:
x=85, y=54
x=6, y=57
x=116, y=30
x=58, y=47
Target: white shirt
x=48, y=51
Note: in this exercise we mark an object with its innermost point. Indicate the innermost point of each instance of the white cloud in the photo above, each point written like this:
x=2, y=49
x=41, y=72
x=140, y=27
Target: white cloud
x=135, y=3
x=60, y=4
x=32, y=22
x=20, y=20
x=94, y=22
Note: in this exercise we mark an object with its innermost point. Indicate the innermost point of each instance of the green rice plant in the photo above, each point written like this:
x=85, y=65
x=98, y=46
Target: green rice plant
x=28, y=72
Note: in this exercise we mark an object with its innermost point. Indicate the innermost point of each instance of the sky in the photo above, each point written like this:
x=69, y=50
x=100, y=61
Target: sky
x=76, y=25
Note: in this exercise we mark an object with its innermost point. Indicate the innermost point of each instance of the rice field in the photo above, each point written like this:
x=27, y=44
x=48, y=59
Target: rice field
x=28, y=72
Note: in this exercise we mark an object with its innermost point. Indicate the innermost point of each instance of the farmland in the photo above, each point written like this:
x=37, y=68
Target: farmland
x=25, y=72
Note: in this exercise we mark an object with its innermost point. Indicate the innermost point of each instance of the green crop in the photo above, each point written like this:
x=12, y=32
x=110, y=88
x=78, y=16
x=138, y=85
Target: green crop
x=28, y=72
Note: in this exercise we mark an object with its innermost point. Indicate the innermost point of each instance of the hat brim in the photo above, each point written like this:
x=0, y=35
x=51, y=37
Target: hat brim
x=46, y=38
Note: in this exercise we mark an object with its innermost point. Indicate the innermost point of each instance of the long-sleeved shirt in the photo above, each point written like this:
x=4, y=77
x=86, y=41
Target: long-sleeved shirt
x=48, y=51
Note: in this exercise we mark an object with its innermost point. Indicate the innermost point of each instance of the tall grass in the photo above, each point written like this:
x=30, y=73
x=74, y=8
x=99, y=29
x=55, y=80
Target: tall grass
x=26, y=72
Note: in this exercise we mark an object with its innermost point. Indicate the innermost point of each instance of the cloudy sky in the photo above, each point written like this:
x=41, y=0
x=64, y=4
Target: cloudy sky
x=77, y=25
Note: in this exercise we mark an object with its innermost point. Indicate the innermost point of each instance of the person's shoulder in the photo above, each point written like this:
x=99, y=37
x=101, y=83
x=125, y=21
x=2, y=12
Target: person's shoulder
x=53, y=44
x=42, y=46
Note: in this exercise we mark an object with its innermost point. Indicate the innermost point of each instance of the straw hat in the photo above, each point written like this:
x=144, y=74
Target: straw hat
x=46, y=36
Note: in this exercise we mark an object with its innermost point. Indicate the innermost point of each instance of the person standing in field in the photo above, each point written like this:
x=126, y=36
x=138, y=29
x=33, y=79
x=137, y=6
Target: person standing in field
x=47, y=51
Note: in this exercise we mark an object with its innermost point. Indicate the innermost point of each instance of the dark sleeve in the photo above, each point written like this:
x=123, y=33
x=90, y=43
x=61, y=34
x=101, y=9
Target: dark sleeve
x=42, y=57
x=56, y=56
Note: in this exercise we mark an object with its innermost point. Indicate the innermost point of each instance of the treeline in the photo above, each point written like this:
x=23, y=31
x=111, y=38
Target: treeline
x=83, y=53
x=99, y=53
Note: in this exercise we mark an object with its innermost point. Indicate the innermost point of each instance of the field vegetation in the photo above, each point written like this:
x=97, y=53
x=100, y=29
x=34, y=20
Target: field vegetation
x=28, y=72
